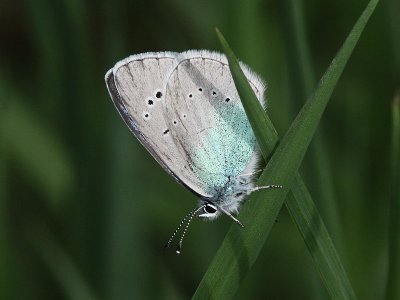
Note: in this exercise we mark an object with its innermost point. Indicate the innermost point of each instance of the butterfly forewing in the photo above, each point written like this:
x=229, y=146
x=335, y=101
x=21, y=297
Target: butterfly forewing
x=137, y=87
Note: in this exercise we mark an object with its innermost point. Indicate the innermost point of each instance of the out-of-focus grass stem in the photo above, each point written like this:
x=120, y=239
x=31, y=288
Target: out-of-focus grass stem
x=393, y=284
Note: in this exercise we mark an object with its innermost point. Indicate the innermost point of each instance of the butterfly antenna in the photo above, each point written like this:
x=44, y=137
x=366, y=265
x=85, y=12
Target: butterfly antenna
x=191, y=216
x=177, y=229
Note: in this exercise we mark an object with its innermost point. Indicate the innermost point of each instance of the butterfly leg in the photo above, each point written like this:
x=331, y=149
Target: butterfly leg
x=257, y=188
x=230, y=216
x=250, y=174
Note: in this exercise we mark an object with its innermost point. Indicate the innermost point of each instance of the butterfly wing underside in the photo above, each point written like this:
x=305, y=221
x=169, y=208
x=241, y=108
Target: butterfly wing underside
x=209, y=125
x=136, y=86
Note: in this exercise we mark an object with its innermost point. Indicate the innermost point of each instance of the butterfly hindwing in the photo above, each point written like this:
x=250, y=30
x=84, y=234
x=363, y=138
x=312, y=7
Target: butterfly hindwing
x=209, y=126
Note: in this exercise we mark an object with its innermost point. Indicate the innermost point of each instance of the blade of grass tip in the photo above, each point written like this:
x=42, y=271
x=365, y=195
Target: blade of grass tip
x=302, y=83
x=60, y=265
x=393, y=286
x=240, y=248
x=259, y=122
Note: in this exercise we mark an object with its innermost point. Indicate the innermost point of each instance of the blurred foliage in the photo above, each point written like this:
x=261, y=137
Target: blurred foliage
x=85, y=210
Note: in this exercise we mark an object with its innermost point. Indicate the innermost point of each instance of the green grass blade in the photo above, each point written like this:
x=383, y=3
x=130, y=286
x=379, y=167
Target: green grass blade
x=61, y=265
x=300, y=67
x=241, y=247
x=302, y=82
x=5, y=266
x=393, y=286
x=311, y=226
x=313, y=229
x=38, y=151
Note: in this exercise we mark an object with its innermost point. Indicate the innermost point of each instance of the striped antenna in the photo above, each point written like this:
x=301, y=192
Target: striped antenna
x=178, y=249
x=190, y=215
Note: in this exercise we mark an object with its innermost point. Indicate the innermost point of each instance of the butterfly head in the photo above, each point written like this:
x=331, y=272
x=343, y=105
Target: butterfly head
x=209, y=211
x=226, y=199
x=206, y=210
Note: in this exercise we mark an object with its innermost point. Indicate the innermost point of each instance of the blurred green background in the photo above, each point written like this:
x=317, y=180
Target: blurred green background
x=85, y=210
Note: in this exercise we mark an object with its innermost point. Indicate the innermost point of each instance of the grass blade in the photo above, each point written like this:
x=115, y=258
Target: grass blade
x=241, y=247
x=60, y=264
x=5, y=266
x=393, y=287
x=302, y=81
x=45, y=160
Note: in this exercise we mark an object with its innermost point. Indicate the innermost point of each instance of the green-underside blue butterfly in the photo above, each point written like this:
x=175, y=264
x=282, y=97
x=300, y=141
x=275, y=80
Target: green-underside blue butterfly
x=184, y=108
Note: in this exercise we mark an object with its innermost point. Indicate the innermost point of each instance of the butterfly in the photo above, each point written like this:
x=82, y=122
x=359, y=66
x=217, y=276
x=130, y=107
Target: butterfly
x=185, y=110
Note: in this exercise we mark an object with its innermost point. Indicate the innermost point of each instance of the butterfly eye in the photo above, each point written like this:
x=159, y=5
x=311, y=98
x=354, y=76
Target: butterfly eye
x=210, y=209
